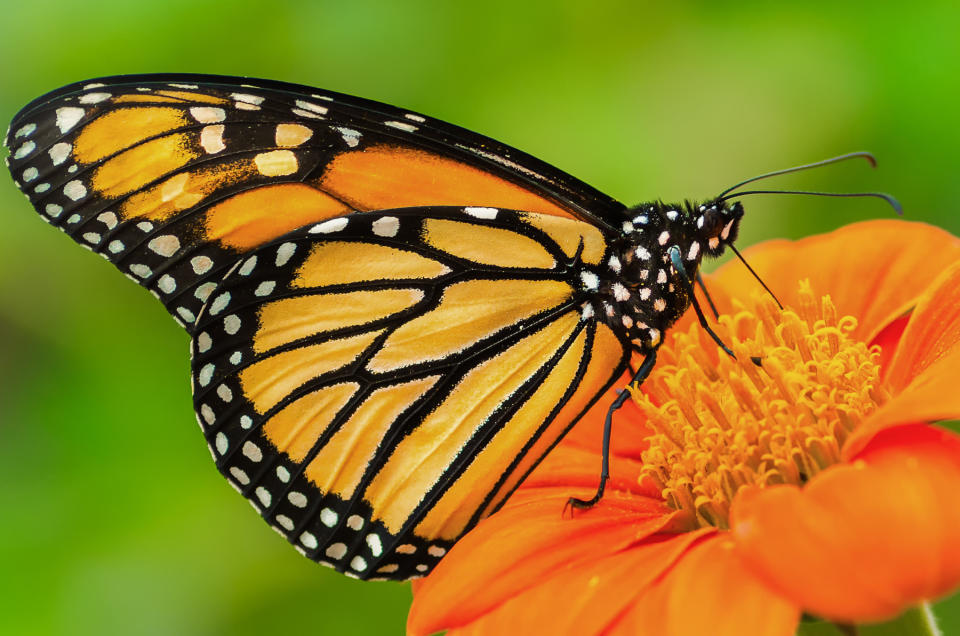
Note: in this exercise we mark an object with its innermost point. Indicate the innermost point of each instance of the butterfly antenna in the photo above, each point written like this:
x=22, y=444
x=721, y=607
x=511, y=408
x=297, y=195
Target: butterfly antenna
x=880, y=195
x=755, y=275
x=850, y=155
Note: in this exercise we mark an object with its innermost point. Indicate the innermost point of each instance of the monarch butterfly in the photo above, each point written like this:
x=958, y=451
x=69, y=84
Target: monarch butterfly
x=393, y=319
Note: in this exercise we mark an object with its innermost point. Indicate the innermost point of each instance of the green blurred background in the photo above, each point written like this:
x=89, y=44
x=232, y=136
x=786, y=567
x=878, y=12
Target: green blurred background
x=114, y=519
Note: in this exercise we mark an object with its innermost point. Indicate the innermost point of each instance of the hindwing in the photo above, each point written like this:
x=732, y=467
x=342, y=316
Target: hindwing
x=378, y=382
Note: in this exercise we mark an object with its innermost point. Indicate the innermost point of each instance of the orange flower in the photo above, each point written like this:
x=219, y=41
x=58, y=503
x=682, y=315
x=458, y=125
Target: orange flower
x=744, y=496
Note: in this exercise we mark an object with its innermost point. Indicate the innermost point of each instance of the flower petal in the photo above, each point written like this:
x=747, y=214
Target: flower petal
x=587, y=598
x=932, y=396
x=933, y=331
x=862, y=541
x=872, y=270
x=523, y=543
x=710, y=592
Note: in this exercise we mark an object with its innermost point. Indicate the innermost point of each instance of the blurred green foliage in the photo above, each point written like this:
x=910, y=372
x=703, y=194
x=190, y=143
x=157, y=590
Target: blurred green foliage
x=114, y=519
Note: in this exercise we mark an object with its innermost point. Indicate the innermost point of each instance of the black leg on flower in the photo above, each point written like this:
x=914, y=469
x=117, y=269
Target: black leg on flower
x=674, y=253
x=638, y=379
x=706, y=294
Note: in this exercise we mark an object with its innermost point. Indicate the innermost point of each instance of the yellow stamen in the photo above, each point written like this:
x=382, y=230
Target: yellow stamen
x=720, y=424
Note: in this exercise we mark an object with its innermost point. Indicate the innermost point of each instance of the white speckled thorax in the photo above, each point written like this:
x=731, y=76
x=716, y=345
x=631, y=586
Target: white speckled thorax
x=639, y=292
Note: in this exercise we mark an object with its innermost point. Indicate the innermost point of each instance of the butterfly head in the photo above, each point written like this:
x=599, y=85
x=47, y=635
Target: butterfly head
x=717, y=224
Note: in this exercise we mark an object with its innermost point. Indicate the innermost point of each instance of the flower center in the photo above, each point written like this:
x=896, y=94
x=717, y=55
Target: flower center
x=719, y=424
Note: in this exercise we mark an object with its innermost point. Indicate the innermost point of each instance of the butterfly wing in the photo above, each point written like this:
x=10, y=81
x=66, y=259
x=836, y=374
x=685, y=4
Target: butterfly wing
x=174, y=177
x=377, y=383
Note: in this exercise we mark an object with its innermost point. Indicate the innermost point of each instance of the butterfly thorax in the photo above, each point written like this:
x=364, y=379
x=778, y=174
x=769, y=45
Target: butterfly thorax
x=642, y=293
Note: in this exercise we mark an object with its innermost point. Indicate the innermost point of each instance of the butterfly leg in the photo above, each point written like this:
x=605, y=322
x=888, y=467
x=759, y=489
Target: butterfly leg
x=677, y=261
x=706, y=294
x=637, y=380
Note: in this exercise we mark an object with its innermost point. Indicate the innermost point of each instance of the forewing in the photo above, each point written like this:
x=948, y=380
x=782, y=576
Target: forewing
x=175, y=177
x=377, y=383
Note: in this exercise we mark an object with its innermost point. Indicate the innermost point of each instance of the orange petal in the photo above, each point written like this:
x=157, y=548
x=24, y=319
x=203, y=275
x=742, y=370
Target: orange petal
x=710, y=592
x=862, y=541
x=586, y=598
x=627, y=438
x=932, y=396
x=569, y=467
x=872, y=270
x=933, y=331
x=526, y=541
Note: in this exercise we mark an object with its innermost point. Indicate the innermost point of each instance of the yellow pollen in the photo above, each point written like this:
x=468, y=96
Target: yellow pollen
x=720, y=424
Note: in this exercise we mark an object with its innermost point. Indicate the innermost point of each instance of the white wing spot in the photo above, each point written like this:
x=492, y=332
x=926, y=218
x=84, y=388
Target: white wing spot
x=336, y=550
x=416, y=118
x=231, y=324
x=350, y=136
x=482, y=213
x=75, y=190
x=328, y=517
x=256, y=100
x=386, y=226
x=358, y=563
x=141, y=270
x=201, y=264
x=694, y=250
x=245, y=423
x=166, y=245
x=645, y=293
x=662, y=276
x=405, y=548
x=663, y=238
x=25, y=131
x=208, y=114
x=73, y=218
x=239, y=475
x=276, y=163
x=314, y=108
x=41, y=188
x=91, y=237
x=401, y=125
x=264, y=496
x=167, y=284
x=225, y=394
x=265, y=288
x=327, y=227
x=94, y=98
x=235, y=358
x=202, y=292
x=53, y=210
x=248, y=265
x=68, y=116
x=219, y=303
x=436, y=551
x=659, y=304
x=284, y=252
x=211, y=139
x=145, y=226
x=308, y=541
x=186, y=314
x=354, y=522
x=221, y=443
x=642, y=253
x=109, y=219
x=206, y=374
x=283, y=474
x=285, y=522
x=298, y=499
x=375, y=545
x=207, y=414
x=30, y=174
x=204, y=342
